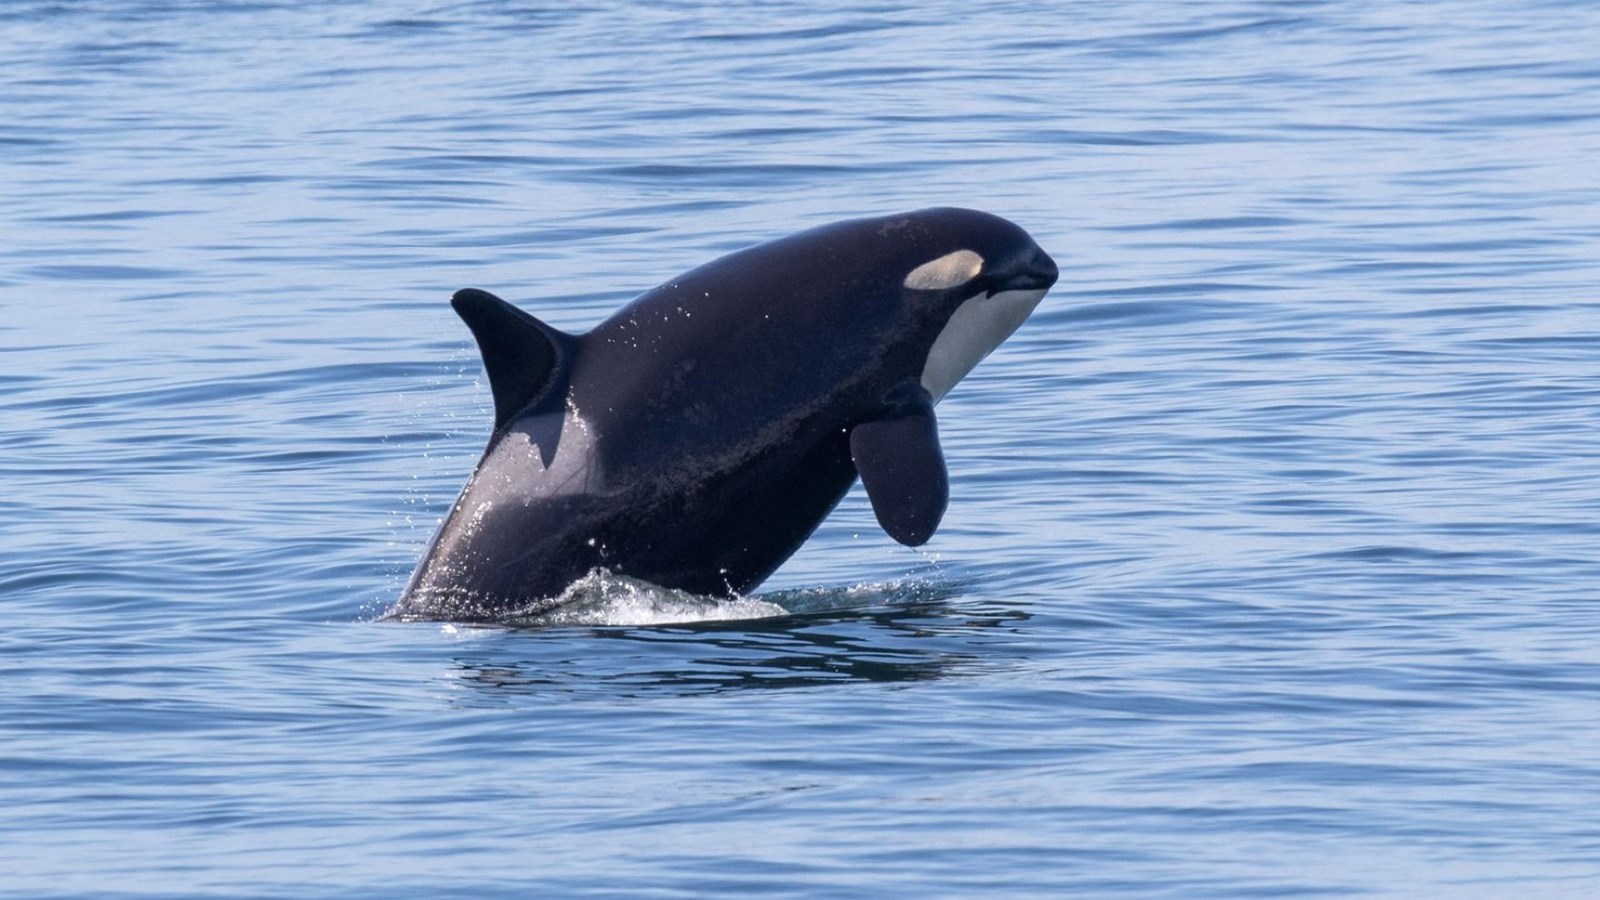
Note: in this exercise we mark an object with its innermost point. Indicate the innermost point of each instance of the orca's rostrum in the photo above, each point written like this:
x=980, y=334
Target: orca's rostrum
x=697, y=437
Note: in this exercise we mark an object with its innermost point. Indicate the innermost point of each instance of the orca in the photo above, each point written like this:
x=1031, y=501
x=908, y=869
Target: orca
x=699, y=435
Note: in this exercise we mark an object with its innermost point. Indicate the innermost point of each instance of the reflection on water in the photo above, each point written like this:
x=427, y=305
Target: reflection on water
x=903, y=632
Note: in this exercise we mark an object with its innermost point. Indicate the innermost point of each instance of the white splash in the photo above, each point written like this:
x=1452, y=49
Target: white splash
x=604, y=598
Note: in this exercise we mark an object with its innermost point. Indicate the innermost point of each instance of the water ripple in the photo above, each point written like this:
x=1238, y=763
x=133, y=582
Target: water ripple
x=1274, y=528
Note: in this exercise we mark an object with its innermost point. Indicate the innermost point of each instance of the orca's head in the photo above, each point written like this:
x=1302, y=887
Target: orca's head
x=976, y=277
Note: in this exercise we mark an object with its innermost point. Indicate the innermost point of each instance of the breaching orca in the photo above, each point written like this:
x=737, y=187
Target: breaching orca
x=697, y=437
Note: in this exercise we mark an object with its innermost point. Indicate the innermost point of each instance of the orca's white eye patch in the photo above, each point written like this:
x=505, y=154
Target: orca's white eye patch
x=948, y=271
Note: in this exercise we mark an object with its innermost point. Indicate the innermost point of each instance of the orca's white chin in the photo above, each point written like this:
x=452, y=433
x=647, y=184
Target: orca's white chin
x=978, y=326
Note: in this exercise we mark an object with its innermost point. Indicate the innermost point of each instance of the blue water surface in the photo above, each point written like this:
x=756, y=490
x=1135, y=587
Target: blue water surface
x=1272, y=559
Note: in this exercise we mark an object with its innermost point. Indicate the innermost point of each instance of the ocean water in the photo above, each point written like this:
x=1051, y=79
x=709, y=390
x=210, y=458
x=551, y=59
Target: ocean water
x=1272, y=565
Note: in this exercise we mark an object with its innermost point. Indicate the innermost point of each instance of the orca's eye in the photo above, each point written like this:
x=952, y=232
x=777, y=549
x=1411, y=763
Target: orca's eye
x=948, y=271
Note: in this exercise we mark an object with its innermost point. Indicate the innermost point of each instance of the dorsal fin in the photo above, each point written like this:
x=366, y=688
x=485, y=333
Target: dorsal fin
x=523, y=356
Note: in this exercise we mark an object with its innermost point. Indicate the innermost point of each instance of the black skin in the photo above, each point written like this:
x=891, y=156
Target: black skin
x=720, y=409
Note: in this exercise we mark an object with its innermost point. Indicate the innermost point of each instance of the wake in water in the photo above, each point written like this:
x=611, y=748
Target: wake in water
x=603, y=598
